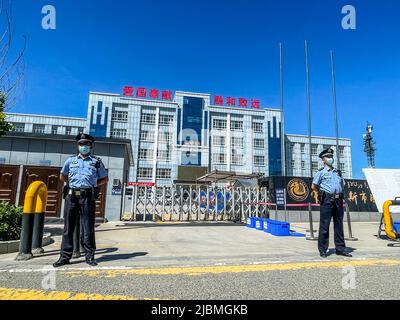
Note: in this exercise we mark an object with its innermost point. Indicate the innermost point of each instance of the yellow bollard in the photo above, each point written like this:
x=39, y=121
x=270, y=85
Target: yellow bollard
x=33, y=220
x=387, y=218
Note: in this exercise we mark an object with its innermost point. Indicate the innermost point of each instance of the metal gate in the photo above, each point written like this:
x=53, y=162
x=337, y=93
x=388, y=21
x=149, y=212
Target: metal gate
x=191, y=203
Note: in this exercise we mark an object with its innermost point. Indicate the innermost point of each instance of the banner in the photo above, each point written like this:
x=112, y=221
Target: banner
x=298, y=194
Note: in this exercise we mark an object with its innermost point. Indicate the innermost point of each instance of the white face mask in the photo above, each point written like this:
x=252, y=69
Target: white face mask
x=84, y=150
x=330, y=161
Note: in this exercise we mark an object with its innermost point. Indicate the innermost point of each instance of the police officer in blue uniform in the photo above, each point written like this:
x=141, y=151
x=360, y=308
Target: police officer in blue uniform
x=330, y=185
x=83, y=175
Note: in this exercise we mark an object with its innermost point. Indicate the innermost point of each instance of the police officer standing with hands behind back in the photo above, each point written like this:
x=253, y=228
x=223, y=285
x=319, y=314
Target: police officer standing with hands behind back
x=330, y=184
x=83, y=174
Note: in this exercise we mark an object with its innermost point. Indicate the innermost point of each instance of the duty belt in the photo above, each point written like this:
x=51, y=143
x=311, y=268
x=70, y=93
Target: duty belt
x=81, y=192
x=332, y=196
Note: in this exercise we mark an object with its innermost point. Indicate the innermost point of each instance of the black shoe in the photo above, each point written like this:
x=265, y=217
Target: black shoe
x=323, y=255
x=60, y=263
x=91, y=262
x=344, y=254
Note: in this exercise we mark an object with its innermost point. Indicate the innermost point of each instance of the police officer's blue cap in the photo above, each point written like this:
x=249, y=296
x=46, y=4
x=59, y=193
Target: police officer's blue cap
x=83, y=137
x=326, y=153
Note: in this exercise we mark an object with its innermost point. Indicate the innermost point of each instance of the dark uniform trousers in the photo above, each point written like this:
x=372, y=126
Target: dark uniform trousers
x=75, y=207
x=331, y=209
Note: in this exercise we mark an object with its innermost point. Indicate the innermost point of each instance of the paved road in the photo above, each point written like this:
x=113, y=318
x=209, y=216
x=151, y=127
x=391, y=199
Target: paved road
x=207, y=262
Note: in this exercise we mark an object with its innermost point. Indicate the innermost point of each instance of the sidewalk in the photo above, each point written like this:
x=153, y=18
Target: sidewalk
x=150, y=244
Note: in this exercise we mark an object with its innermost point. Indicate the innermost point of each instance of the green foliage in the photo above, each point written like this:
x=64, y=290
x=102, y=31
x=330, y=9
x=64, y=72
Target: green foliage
x=4, y=125
x=10, y=222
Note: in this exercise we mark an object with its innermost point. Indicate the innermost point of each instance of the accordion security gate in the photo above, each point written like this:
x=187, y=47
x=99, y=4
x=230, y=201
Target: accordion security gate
x=189, y=203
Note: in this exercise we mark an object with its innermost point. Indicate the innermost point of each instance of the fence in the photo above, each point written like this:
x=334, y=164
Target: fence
x=196, y=203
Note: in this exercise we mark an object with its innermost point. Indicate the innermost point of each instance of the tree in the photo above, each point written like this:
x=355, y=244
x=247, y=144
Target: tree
x=11, y=67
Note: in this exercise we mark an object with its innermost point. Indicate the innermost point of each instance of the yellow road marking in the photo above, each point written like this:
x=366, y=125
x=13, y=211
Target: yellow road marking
x=28, y=294
x=195, y=271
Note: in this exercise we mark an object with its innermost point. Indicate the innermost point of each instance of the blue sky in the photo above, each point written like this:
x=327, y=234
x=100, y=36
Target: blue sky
x=224, y=48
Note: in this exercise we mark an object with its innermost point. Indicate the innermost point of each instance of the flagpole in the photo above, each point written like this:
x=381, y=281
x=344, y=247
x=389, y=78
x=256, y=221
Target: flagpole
x=308, y=106
x=335, y=114
x=283, y=151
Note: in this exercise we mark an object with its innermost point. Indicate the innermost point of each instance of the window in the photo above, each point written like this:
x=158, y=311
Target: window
x=145, y=154
x=219, y=141
x=236, y=125
x=81, y=130
x=19, y=127
x=68, y=131
x=147, y=136
x=314, y=166
x=341, y=151
x=163, y=173
x=257, y=127
x=303, y=165
x=121, y=116
x=259, y=161
x=236, y=142
x=165, y=137
x=145, y=173
x=219, y=158
x=38, y=128
x=342, y=167
x=291, y=147
x=164, y=155
x=166, y=119
x=292, y=164
x=302, y=148
x=314, y=150
x=237, y=159
x=149, y=118
x=219, y=124
x=118, y=133
x=259, y=144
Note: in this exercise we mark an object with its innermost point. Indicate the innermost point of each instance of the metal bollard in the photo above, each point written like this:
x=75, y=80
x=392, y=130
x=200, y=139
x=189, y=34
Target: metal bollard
x=311, y=237
x=38, y=229
x=350, y=238
x=32, y=226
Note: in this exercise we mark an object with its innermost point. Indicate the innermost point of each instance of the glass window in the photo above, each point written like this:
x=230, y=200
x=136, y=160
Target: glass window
x=38, y=128
x=18, y=127
x=236, y=125
x=147, y=136
x=236, y=142
x=314, y=150
x=68, y=131
x=258, y=127
x=120, y=116
x=303, y=165
x=291, y=147
x=145, y=173
x=165, y=137
x=219, y=124
x=259, y=144
x=237, y=158
x=219, y=141
x=314, y=167
x=341, y=151
x=302, y=148
x=145, y=154
x=342, y=167
x=149, y=118
x=292, y=164
x=118, y=133
x=81, y=130
x=259, y=161
x=164, y=155
x=219, y=158
x=163, y=173
x=166, y=119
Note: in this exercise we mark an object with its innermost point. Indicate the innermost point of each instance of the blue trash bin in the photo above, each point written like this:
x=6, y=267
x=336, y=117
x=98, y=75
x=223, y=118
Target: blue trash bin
x=281, y=229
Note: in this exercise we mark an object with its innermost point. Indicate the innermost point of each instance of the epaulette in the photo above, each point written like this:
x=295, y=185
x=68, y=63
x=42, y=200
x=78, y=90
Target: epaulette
x=321, y=169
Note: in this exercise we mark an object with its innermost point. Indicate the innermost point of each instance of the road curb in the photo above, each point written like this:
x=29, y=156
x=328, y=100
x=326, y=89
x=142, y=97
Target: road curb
x=13, y=246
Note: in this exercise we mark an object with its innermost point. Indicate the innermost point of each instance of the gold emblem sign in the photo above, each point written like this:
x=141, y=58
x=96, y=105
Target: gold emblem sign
x=298, y=190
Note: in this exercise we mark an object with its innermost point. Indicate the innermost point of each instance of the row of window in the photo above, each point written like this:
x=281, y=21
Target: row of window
x=237, y=159
x=147, y=154
x=314, y=149
x=148, y=136
x=220, y=141
x=315, y=166
x=221, y=124
x=41, y=129
x=150, y=118
x=147, y=173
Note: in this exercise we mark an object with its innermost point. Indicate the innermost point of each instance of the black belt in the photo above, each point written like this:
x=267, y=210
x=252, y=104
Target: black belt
x=332, y=196
x=88, y=192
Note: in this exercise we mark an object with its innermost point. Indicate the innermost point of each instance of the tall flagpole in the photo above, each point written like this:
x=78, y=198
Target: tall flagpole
x=308, y=107
x=283, y=151
x=335, y=114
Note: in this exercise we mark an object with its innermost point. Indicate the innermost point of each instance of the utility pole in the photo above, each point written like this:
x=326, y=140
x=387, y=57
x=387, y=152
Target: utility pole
x=335, y=114
x=308, y=107
x=283, y=151
x=369, y=146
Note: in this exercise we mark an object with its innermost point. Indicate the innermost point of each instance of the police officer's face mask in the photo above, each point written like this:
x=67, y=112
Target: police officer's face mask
x=330, y=161
x=85, y=150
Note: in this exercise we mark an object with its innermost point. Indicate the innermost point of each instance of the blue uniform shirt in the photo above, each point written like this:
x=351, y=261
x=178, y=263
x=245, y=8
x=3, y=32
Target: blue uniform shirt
x=82, y=173
x=329, y=180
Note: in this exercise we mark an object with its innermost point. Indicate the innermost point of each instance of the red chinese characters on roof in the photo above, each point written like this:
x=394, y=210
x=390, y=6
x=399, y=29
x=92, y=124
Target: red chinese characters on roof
x=141, y=92
x=240, y=102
